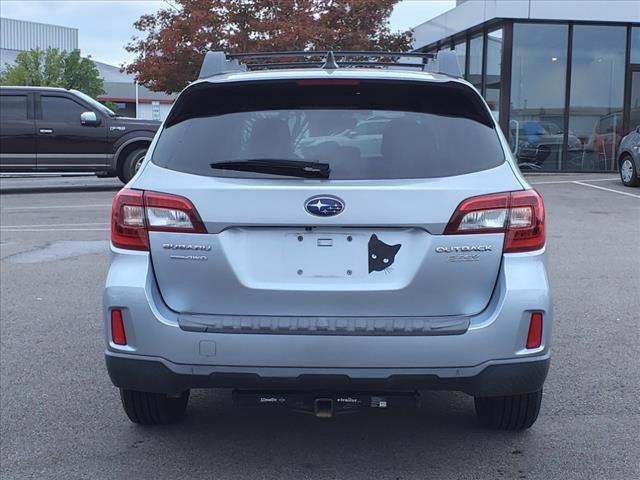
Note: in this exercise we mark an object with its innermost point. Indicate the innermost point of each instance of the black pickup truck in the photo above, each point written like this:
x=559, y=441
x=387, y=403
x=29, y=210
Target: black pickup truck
x=46, y=129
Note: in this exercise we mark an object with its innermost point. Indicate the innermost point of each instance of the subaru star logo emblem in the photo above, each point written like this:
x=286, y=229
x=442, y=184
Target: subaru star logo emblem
x=324, y=206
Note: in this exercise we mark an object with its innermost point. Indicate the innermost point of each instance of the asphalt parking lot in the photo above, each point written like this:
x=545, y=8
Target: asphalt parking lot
x=61, y=418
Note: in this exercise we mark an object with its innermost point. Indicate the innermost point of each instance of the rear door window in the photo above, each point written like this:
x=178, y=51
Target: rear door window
x=13, y=107
x=363, y=130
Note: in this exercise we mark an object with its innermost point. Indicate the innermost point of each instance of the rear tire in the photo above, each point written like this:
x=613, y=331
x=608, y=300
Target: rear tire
x=628, y=172
x=153, y=408
x=131, y=164
x=509, y=412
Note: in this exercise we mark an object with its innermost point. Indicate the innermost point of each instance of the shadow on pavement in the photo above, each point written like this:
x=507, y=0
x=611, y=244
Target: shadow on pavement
x=21, y=185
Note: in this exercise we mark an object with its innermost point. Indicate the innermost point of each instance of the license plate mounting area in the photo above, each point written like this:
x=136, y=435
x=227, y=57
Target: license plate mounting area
x=326, y=254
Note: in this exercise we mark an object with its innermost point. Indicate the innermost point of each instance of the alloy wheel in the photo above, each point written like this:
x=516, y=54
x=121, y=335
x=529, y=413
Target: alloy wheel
x=626, y=171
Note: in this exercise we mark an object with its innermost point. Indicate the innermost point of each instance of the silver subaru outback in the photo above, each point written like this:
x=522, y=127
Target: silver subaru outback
x=328, y=239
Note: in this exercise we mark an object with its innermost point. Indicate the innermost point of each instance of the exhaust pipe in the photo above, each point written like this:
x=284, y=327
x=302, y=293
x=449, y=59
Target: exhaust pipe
x=323, y=407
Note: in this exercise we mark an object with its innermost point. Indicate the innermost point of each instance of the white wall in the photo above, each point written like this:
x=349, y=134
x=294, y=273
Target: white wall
x=23, y=36
x=599, y=11
x=476, y=12
x=145, y=110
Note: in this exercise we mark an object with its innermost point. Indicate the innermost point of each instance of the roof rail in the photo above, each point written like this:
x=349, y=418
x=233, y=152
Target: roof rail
x=215, y=63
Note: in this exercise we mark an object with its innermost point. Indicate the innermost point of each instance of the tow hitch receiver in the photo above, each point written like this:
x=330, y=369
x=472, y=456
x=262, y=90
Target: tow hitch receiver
x=324, y=404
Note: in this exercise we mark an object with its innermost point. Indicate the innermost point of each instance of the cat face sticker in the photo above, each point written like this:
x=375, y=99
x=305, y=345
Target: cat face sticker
x=381, y=255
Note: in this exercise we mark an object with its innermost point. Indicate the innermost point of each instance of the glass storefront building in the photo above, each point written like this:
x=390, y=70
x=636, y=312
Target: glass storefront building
x=565, y=92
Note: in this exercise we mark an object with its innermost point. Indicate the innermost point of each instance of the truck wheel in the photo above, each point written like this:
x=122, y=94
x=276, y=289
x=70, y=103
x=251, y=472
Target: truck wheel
x=628, y=172
x=131, y=164
x=509, y=412
x=153, y=408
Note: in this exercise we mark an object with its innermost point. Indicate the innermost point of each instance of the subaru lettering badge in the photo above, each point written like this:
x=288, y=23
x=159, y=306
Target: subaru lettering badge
x=324, y=206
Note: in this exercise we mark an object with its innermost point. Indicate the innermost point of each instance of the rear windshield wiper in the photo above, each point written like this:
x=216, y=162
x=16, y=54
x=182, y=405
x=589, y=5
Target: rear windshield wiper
x=273, y=166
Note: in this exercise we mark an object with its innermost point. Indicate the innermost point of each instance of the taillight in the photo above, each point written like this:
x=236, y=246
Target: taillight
x=135, y=213
x=519, y=215
x=171, y=213
x=128, y=225
x=485, y=214
x=525, y=231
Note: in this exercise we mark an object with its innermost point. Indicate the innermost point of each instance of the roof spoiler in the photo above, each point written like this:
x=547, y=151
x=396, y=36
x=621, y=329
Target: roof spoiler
x=216, y=63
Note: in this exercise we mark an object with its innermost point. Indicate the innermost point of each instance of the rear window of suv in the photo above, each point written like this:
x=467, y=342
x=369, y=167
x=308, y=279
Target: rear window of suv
x=362, y=129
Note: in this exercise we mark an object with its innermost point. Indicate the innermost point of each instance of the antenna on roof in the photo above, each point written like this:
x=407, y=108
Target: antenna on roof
x=330, y=63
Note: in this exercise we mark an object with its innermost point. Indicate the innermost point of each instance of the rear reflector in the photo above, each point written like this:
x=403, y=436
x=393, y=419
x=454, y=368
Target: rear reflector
x=117, y=328
x=534, y=338
x=519, y=215
x=135, y=213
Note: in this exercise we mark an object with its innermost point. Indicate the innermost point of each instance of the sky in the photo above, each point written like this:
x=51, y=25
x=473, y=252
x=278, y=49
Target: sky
x=105, y=26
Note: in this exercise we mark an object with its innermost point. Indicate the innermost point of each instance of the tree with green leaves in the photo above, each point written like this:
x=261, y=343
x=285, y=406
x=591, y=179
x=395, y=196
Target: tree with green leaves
x=53, y=68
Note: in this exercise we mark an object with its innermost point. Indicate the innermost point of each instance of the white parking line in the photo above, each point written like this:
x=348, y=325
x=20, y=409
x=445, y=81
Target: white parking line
x=54, y=230
x=3, y=227
x=574, y=181
x=607, y=189
x=50, y=207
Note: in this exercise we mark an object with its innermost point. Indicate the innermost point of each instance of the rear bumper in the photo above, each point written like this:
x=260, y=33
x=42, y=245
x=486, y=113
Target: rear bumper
x=158, y=375
x=176, y=358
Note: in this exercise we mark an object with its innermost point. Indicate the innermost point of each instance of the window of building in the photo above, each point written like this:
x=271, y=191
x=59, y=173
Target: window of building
x=635, y=45
x=596, y=98
x=634, y=104
x=475, y=61
x=126, y=109
x=60, y=109
x=460, y=50
x=444, y=47
x=634, y=112
x=492, y=73
x=538, y=78
x=13, y=107
x=431, y=61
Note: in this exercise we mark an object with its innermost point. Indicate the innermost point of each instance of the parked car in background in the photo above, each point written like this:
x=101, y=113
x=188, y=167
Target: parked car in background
x=605, y=139
x=540, y=140
x=603, y=142
x=330, y=280
x=629, y=158
x=46, y=129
